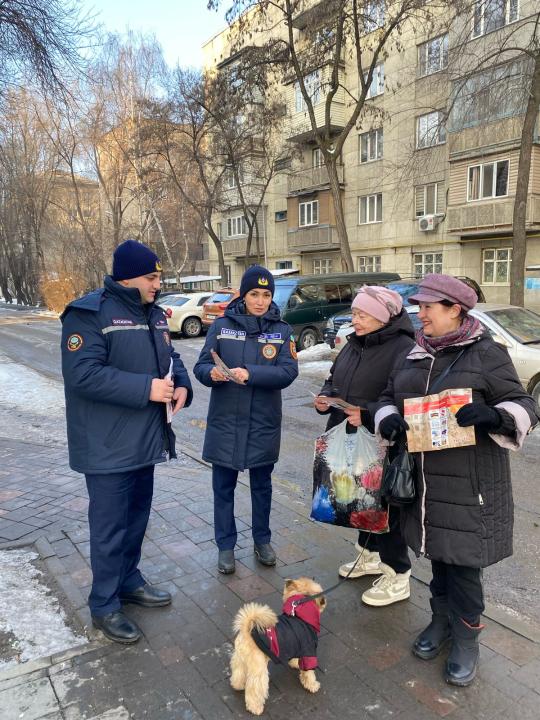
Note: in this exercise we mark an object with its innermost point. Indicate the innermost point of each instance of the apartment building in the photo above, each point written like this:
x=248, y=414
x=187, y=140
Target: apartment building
x=428, y=176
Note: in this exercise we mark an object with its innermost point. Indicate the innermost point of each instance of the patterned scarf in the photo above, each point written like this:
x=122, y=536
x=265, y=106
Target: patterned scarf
x=469, y=329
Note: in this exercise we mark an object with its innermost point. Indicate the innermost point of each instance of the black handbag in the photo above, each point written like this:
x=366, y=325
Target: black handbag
x=398, y=484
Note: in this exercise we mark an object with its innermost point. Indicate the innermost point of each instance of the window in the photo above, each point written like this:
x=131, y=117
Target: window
x=427, y=263
x=370, y=209
x=429, y=199
x=236, y=226
x=313, y=88
x=308, y=213
x=373, y=15
x=282, y=164
x=283, y=264
x=433, y=56
x=488, y=180
x=430, y=130
x=493, y=94
x=230, y=180
x=281, y=215
x=371, y=145
x=322, y=266
x=317, y=159
x=492, y=15
x=496, y=266
x=377, y=81
x=369, y=263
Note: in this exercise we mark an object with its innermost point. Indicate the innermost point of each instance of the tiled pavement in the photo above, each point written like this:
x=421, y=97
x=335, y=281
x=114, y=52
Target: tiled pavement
x=180, y=669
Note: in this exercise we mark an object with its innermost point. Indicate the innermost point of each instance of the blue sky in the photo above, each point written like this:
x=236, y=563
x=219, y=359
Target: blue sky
x=181, y=26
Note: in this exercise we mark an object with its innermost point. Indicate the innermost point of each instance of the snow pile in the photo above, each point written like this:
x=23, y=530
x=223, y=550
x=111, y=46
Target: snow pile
x=29, y=391
x=315, y=360
x=29, y=612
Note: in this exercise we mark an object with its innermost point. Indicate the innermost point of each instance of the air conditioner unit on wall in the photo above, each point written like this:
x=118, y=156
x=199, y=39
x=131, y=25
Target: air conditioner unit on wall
x=426, y=223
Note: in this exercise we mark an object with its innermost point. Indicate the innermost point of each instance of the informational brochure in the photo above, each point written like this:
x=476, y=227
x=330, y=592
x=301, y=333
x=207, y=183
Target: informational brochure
x=432, y=421
x=337, y=402
x=224, y=369
x=169, y=405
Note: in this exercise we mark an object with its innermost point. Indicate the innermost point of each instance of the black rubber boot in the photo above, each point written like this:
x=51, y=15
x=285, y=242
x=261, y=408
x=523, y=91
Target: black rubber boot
x=431, y=641
x=463, y=659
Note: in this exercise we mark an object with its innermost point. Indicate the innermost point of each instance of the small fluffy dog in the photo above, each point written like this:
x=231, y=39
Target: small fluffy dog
x=291, y=638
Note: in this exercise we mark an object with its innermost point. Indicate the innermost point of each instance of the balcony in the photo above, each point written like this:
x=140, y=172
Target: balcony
x=236, y=246
x=299, y=126
x=202, y=266
x=310, y=179
x=316, y=237
x=478, y=218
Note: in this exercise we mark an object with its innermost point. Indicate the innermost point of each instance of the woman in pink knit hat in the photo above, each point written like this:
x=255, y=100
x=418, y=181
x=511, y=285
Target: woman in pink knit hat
x=382, y=334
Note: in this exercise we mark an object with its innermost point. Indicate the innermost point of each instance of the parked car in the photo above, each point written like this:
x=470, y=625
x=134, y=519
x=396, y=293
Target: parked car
x=184, y=312
x=216, y=304
x=405, y=287
x=307, y=301
x=514, y=327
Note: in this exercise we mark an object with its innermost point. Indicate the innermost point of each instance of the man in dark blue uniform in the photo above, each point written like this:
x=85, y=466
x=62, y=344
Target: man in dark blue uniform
x=123, y=382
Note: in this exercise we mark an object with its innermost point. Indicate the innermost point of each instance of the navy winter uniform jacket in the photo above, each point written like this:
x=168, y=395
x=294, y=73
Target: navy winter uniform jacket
x=113, y=346
x=244, y=421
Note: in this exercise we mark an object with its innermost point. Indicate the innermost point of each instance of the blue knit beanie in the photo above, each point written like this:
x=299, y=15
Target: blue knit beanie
x=256, y=277
x=132, y=259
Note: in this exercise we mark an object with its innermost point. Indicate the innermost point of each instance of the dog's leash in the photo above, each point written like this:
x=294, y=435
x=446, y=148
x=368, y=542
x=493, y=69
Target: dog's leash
x=309, y=598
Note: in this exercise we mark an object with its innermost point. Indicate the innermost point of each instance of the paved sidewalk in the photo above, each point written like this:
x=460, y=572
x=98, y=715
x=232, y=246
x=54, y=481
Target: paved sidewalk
x=180, y=668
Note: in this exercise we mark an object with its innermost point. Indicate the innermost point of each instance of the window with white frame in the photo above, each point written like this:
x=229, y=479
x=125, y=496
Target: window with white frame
x=308, y=213
x=373, y=15
x=228, y=276
x=430, y=262
x=433, y=55
x=317, y=159
x=313, y=89
x=429, y=199
x=371, y=145
x=230, y=179
x=430, y=130
x=370, y=209
x=236, y=226
x=490, y=15
x=369, y=263
x=488, y=180
x=322, y=266
x=377, y=81
x=283, y=264
x=496, y=265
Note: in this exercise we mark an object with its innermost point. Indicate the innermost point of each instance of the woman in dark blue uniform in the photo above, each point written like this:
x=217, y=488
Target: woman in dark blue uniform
x=244, y=417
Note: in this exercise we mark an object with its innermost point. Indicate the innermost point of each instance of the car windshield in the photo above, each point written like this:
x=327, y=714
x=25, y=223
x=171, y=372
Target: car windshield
x=523, y=325
x=176, y=301
x=282, y=294
x=220, y=297
x=404, y=289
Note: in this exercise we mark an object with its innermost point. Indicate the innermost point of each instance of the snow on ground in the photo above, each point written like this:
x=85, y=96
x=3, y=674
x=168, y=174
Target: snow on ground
x=29, y=612
x=27, y=390
x=316, y=360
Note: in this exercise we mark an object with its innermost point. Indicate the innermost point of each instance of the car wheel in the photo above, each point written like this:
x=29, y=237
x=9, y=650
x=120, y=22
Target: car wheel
x=308, y=338
x=535, y=390
x=192, y=327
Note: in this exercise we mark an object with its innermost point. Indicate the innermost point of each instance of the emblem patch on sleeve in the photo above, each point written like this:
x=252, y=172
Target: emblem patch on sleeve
x=292, y=347
x=74, y=342
x=269, y=351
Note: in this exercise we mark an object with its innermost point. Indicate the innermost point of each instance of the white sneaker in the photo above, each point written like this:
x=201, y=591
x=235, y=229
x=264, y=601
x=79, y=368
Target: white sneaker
x=368, y=564
x=391, y=587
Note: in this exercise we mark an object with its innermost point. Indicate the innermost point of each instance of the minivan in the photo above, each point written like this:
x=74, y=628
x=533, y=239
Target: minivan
x=307, y=301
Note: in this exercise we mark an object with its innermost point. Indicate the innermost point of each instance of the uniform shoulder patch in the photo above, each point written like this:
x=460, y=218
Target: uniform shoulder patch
x=74, y=342
x=292, y=347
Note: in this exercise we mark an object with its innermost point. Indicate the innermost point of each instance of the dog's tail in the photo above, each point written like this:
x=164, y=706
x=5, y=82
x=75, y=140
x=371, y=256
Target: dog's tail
x=254, y=615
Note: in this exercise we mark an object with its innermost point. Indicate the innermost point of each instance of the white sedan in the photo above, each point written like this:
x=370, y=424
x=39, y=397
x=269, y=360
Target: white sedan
x=514, y=327
x=184, y=312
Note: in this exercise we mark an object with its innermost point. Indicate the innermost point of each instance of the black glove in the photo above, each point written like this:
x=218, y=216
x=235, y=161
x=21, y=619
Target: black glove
x=393, y=424
x=479, y=415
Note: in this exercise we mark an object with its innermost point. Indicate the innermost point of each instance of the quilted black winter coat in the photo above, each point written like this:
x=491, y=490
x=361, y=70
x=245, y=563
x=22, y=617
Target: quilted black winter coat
x=464, y=510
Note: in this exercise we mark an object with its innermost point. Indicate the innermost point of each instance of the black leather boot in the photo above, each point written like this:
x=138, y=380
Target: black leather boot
x=463, y=659
x=226, y=564
x=265, y=554
x=118, y=627
x=147, y=596
x=431, y=641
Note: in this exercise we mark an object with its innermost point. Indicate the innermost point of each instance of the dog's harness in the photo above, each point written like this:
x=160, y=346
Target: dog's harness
x=294, y=636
